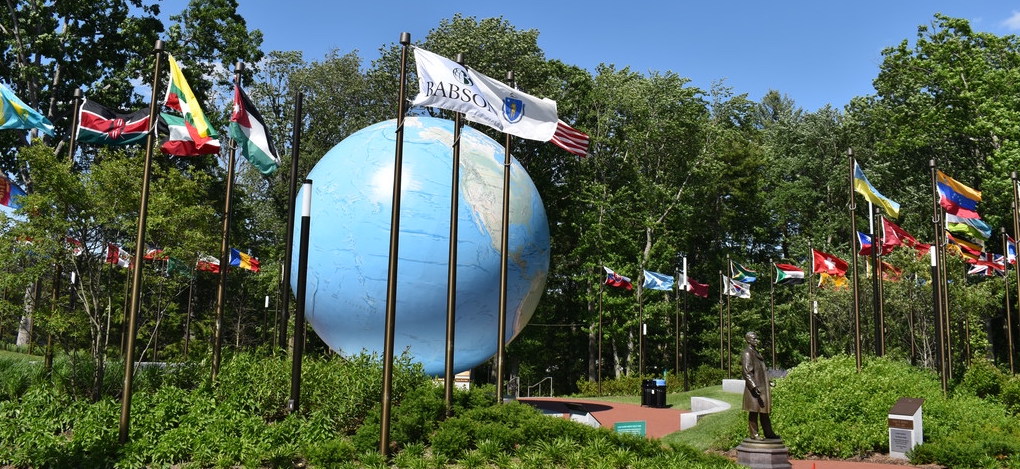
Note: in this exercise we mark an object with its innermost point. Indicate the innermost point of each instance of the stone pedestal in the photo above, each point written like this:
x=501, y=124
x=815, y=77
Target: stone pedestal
x=769, y=453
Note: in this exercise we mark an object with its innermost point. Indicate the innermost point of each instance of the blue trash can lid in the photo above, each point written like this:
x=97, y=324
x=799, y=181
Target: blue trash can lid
x=660, y=382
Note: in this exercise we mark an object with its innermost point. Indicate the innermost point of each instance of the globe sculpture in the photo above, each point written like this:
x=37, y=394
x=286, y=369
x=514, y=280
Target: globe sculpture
x=348, y=256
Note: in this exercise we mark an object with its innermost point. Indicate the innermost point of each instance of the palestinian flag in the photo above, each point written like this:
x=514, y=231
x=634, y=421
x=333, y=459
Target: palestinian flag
x=787, y=274
x=248, y=129
x=190, y=135
x=103, y=126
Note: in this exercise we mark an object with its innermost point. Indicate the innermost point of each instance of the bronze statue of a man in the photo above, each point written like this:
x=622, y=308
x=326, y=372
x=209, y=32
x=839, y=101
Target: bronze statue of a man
x=757, y=398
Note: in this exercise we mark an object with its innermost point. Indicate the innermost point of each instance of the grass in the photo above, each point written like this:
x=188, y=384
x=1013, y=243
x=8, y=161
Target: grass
x=4, y=354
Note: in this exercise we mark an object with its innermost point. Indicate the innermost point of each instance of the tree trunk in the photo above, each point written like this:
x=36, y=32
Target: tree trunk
x=25, y=326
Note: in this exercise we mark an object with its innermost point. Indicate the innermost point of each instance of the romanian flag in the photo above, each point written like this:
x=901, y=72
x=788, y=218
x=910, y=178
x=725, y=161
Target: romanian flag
x=15, y=114
x=788, y=274
x=957, y=198
x=863, y=187
x=244, y=261
x=192, y=134
x=10, y=192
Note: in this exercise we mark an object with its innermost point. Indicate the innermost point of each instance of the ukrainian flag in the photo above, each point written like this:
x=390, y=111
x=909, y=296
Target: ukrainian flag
x=863, y=187
x=15, y=114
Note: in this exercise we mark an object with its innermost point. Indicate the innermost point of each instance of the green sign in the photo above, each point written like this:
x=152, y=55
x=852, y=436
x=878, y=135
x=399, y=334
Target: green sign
x=637, y=428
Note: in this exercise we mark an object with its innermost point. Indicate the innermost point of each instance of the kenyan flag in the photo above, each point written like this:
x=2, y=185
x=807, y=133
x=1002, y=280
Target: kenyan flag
x=103, y=126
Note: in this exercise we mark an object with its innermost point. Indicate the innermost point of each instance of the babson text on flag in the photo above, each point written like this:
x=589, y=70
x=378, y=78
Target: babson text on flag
x=453, y=91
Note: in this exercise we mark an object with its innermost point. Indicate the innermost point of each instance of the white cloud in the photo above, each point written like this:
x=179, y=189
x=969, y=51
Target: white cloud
x=1013, y=22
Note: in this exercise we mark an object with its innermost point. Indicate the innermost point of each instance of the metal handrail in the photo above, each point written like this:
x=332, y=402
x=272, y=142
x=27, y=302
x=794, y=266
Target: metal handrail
x=539, y=386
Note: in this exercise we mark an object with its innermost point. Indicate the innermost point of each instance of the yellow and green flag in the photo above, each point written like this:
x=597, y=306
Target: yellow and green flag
x=191, y=134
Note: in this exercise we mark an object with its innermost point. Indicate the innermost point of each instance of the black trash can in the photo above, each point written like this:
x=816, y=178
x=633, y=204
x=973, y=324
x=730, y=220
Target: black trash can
x=660, y=393
x=648, y=392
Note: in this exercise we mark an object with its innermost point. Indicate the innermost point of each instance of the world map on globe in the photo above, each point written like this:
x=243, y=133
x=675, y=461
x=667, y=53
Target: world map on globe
x=348, y=247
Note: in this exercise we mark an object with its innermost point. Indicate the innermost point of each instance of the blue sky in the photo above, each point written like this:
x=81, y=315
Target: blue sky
x=816, y=52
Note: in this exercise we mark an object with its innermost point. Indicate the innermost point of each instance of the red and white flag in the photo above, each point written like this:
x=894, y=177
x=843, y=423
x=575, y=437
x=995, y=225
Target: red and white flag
x=570, y=139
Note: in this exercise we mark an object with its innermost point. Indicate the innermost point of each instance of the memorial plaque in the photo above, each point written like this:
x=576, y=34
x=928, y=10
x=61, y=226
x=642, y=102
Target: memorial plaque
x=636, y=428
x=900, y=440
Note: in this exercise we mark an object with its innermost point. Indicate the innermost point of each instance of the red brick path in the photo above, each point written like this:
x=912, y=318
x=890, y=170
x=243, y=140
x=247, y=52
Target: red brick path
x=662, y=422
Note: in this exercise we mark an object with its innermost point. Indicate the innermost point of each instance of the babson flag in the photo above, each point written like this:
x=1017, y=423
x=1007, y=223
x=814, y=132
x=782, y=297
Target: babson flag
x=249, y=131
x=191, y=134
x=103, y=126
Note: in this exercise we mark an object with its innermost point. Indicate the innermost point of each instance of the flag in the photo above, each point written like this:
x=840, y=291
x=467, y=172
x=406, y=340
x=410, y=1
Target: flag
x=614, y=279
x=153, y=253
x=570, y=139
x=837, y=281
x=736, y=288
x=741, y=273
x=191, y=134
x=863, y=187
x=893, y=235
x=657, y=281
x=15, y=114
x=987, y=264
x=964, y=247
x=1010, y=250
x=74, y=246
x=957, y=198
x=825, y=263
x=446, y=84
x=244, y=261
x=698, y=289
x=249, y=131
x=890, y=272
x=103, y=126
x=788, y=274
x=973, y=228
x=865, y=242
x=208, y=264
x=176, y=266
x=10, y=193
x=116, y=255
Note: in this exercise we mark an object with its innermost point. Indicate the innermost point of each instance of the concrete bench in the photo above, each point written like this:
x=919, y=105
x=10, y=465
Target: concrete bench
x=701, y=406
x=735, y=386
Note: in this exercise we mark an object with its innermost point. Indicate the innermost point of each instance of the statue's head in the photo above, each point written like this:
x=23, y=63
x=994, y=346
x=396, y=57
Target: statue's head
x=752, y=338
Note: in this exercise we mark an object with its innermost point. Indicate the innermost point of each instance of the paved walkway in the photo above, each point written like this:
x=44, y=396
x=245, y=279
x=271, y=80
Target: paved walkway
x=662, y=422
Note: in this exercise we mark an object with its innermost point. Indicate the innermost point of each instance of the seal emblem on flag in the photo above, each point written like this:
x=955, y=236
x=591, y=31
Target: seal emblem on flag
x=513, y=109
x=462, y=75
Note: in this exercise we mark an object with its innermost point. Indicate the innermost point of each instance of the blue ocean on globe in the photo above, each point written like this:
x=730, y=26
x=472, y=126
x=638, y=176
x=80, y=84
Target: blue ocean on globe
x=349, y=244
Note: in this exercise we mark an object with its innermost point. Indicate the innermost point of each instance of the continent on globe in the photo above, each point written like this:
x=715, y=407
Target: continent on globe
x=349, y=244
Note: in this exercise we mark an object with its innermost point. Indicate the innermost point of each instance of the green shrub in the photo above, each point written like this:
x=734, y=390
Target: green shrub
x=982, y=379
x=1011, y=395
x=330, y=453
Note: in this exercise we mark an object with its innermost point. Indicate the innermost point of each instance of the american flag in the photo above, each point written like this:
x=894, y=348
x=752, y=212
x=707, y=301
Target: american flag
x=570, y=139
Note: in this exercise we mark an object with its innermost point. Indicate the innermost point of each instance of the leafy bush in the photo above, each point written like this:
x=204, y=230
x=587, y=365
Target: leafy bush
x=627, y=385
x=1011, y=395
x=983, y=380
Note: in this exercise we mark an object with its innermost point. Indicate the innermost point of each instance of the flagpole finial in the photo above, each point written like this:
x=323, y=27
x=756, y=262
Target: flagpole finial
x=78, y=95
x=1012, y=175
x=460, y=58
x=510, y=77
x=159, y=46
x=931, y=163
x=405, y=38
x=239, y=67
x=850, y=152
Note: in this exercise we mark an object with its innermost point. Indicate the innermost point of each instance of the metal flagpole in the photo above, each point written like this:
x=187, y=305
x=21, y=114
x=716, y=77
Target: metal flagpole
x=812, y=308
x=722, y=336
x=936, y=283
x=729, y=323
x=853, y=259
x=686, y=331
x=294, y=404
x=221, y=290
x=1016, y=235
x=504, y=246
x=451, y=272
x=772, y=311
x=1005, y=282
x=143, y=211
x=602, y=289
x=876, y=284
x=641, y=328
x=295, y=153
x=391, y=277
